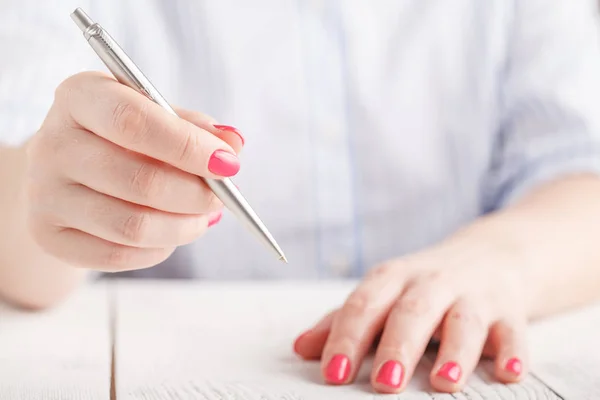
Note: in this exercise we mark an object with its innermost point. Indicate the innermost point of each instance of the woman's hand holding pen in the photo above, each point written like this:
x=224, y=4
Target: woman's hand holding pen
x=469, y=292
x=114, y=179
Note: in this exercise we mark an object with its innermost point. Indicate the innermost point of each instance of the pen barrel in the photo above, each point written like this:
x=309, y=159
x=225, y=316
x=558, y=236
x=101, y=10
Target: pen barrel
x=121, y=66
x=127, y=73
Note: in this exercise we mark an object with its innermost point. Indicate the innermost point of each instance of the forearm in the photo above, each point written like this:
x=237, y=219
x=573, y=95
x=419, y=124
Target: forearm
x=28, y=277
x=554, y=235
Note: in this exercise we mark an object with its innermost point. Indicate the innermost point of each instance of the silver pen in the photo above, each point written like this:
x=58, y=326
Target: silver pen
x=126, y=72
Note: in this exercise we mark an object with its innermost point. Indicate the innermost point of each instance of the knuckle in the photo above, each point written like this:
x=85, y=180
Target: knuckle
x=414, y=302
x=123, y=258
x=436, y=277
x=384, y=269
x=136, y=227
x=130, y=121
x=65, y=88
x=118, y=257
x=429, y=284
x=147, y=181
x=359, y=303
x=188, y=150
x=470, y=317
x=49, y=143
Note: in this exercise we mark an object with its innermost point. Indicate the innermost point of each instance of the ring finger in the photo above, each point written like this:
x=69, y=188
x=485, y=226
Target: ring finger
x=84, y=250
x=117, y=221
x=508, y=339
x=464, y=333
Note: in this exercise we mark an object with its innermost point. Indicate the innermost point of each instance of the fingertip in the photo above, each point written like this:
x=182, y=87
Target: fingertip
x=384, y=389
x=222, y=163
x=227, y=128
x=299, y=342
x=389, y=377
x=447, y=378
x=309, y=345
x=231, y=135
x=444, y=386
x=511, y=361
x=337, y=370
x=214, y=218
x=510, y=370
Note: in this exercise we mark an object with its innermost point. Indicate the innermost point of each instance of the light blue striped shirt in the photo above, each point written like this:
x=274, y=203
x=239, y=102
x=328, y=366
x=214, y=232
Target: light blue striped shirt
x=373, y=128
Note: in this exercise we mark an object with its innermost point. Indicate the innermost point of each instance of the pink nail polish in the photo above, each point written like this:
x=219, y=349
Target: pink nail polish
x=514, y=366
x=450, y=371
x=391, y=374
x=338, y=369
x=214, y=218
x=223, y=163
x=228, y=128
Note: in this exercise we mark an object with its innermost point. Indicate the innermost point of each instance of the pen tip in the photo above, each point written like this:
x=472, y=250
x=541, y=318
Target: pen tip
x=282, y=258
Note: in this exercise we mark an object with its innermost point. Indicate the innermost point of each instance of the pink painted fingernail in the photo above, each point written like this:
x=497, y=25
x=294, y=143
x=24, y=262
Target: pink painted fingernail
x=223, y=163
x=338, y=369
x=514, y=366
x=450, y=371
x=228, y=128
x=391, y=374
x=214, y=218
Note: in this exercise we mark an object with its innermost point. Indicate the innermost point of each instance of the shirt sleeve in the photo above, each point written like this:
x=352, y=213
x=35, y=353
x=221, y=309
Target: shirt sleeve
x=40, y=46
x=550, y=95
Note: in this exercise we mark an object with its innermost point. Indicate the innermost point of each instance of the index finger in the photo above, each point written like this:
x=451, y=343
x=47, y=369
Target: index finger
x=358, y=322
x=127, y=118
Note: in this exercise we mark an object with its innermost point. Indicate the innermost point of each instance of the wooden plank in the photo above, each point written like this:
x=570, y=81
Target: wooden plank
x=566, y=353
x=62, y=353
x=180, y=340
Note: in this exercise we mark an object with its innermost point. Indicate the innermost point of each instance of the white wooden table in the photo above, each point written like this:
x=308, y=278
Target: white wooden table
x=192, y=340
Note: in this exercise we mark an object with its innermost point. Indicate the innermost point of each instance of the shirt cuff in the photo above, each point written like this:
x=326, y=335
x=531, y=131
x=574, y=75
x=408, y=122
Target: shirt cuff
x=549, y=170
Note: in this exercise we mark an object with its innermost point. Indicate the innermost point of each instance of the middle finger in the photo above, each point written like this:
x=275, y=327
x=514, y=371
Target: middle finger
x=120, y=222
x=112, y=170
x=409, y=326
x=463, y=337
x=357, y=323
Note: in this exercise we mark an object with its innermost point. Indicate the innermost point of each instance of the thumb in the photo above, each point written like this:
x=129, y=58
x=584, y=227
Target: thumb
x=228, y=134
